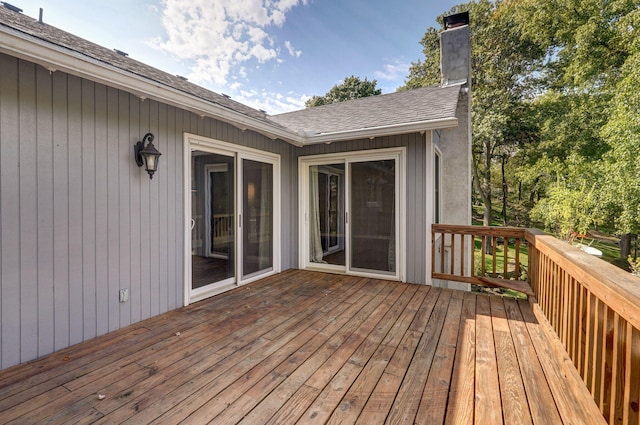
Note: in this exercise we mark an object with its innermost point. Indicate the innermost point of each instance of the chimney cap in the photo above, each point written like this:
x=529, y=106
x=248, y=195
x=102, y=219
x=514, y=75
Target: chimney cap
x=457, y=20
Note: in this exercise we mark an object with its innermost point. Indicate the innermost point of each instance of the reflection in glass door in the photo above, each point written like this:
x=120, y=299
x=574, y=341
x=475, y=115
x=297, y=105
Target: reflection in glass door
x=326, y=214
x=257, y=217
x=212, y=219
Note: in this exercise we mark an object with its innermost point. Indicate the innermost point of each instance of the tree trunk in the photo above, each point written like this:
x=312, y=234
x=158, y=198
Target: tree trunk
x=505, y=193
x=483, y=186
x=625, y=245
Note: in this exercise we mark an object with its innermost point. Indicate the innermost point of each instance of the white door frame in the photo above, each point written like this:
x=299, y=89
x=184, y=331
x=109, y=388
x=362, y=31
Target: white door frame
x=304, y=162
x=194, y=142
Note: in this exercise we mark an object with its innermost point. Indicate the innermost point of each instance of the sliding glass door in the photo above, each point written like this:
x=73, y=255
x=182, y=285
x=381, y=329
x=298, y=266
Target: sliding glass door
x=233, y=217
x=373, y=215
x=257, y=217
x=350, y=219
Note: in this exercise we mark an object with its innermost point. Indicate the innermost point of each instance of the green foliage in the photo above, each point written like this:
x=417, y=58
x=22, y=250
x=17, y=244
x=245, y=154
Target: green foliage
x=568, y=210
x=351, y=88
x=622, y=132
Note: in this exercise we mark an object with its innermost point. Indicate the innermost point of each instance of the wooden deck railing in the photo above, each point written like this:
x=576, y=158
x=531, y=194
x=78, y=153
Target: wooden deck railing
x=486, y=256
x=593, y=306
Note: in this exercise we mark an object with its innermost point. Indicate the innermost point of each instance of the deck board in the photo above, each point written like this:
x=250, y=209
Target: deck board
x=308, y=347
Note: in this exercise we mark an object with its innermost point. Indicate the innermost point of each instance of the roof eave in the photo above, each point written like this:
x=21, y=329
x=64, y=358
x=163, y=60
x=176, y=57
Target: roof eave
x=389, y=130
x=58, y=58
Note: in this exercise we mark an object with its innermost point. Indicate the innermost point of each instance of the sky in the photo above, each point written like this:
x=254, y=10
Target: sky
x=269, y=54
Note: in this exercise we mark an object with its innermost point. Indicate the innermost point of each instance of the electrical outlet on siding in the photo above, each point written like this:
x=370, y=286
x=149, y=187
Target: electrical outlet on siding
x=124, y=295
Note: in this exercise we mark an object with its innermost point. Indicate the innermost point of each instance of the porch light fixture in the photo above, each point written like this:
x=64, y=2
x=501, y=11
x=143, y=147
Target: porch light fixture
x=147, y=155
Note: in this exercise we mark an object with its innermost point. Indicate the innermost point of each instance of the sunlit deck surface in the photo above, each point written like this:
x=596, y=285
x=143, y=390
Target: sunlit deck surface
x=307, y=347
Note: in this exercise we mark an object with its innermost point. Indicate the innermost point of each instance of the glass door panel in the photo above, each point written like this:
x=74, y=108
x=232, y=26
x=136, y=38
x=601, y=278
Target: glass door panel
x=212, y=219
x=326, y=214
x=372, y=215
x=257, y=216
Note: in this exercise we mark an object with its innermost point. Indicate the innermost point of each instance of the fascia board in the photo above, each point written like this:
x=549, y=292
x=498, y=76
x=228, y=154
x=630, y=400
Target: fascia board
x=57, y=58
x=389, y=130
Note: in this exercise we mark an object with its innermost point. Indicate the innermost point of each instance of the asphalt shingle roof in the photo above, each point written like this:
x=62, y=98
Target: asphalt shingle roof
x=405, y=107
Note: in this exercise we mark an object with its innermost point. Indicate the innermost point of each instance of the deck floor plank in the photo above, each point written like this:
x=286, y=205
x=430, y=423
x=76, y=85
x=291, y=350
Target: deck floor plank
x=461, y=400
x=310, y=347
x=541, y=400
x=488, y=407
x=514, y=401
x=433, y=403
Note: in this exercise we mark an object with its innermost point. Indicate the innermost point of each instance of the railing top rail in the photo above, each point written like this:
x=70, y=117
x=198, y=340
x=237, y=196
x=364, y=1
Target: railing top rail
x=508, y=232
x=615, y=287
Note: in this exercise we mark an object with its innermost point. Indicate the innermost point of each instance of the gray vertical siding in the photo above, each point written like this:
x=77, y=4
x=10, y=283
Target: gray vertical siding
x=79, y=220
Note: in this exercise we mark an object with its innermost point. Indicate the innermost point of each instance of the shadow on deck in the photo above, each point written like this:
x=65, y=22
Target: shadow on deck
x=311, y=347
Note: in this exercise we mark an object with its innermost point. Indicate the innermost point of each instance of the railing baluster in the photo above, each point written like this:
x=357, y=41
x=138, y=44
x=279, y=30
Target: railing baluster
x=626, y=398
x=452, y=262
x=565, y=307
x=462, y=255
x=484, y=253
x=473, y=255
x=592, y=387
x=517, y=271
x=442, y=247
x=603, y=360
x=505, y=266
x=433, y=251
x=580, y=327
x=587, y=344
x=576, y=313
x=614, y=370
x=494, y=243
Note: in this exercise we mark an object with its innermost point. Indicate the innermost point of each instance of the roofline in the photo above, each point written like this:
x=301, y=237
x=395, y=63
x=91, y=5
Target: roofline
x=387, y=130
x=58, y=58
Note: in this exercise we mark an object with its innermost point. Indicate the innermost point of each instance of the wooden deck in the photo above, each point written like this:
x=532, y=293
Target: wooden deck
x=306, y=347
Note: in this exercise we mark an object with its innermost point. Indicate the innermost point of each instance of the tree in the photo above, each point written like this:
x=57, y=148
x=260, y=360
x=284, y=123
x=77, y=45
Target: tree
x=502, y=59
x=588, y=109
x=351, y=88
x=622, y=133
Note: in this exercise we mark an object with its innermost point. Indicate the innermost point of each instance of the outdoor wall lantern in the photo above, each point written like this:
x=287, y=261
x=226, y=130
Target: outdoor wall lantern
x=147, y=155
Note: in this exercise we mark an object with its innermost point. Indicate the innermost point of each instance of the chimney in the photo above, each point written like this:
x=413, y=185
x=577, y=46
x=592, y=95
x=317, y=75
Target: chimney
x=455, y=50
x=455, y=143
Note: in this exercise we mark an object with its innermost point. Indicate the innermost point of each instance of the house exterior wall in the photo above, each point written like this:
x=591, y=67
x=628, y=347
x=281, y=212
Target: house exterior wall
x=418, y=150
x=79, y=220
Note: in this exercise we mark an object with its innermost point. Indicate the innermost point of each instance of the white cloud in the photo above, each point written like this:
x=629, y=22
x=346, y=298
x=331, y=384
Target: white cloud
x=216, y=37
x=272, y=102
x=393, y=71
x=293, y=52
